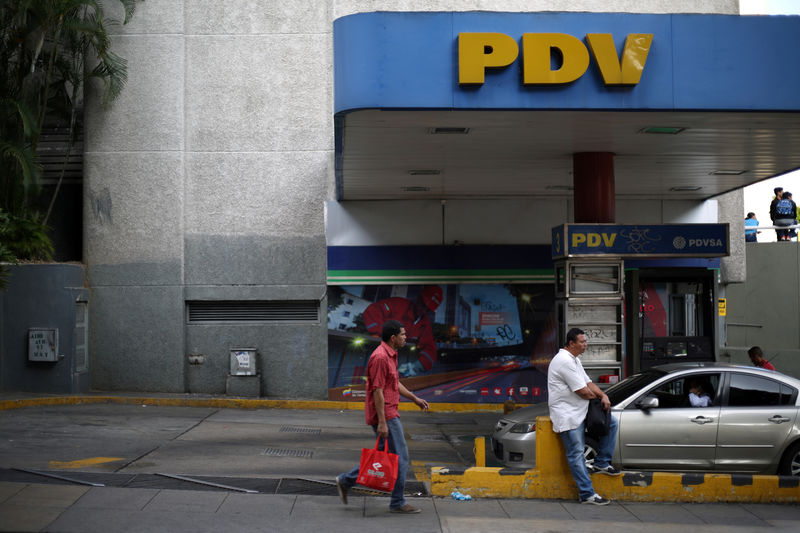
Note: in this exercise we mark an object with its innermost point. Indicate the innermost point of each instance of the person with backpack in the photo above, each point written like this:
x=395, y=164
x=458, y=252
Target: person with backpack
x=785, y=213
x=772, y=215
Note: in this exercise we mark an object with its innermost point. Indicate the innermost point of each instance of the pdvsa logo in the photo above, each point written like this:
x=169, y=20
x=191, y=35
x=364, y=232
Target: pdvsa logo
x=480, y=51
x=680, y=243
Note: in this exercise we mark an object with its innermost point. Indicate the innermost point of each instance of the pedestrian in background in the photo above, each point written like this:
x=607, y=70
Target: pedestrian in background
x=381, y=409
x=757, y=358
x=772, y=215
x=786, y=215
x=750, y=222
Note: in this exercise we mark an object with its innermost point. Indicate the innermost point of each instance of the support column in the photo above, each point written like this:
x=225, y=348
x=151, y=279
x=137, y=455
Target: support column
x=593, y=180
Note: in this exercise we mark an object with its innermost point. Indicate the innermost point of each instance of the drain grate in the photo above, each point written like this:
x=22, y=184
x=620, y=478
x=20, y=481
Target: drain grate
x=288, y=452
x=295, y=429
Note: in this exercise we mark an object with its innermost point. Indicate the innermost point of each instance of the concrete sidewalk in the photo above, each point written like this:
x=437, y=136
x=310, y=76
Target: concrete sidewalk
x=269, y=450
x=61, y=508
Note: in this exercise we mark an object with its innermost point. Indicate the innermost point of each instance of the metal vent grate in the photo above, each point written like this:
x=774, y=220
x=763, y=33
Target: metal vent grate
x=293, y=429
x=253, y=311
x=288, y=452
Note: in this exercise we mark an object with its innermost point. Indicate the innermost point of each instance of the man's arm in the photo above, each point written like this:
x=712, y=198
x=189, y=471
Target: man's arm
x=405, y=393
x=592, y=391
x=380, y=409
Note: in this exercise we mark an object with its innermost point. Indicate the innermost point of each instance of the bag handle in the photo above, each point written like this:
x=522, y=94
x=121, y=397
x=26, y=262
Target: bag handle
x=385, y=443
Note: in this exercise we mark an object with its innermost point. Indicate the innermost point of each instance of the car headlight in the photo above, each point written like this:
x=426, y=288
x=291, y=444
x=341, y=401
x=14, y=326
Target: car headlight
x=523, y=427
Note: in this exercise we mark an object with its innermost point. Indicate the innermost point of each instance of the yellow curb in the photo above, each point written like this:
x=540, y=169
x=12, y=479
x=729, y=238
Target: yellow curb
x=554, y=481
x=242, y=403
x=80, y=463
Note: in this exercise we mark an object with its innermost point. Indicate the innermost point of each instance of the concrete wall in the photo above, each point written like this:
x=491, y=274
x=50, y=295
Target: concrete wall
x=41, y=296
x=208, y=180
x=764, y=310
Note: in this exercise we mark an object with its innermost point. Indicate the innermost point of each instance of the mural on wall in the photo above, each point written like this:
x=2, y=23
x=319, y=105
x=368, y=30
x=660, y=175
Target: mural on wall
x=466, y=343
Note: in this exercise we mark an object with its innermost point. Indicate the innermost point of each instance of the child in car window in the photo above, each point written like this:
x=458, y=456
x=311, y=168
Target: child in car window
x=697, y=396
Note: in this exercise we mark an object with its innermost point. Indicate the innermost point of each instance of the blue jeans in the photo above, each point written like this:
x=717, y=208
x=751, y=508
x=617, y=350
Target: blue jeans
x=397, y=444
x=575, y=442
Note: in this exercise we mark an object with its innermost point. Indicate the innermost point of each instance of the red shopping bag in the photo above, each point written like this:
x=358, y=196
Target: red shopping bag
x=378, y=468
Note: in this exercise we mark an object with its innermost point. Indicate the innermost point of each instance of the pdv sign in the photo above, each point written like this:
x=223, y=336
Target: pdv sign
x=662, y=240
x=479, y=51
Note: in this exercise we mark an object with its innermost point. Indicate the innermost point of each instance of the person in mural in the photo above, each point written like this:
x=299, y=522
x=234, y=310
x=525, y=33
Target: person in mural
x=414, y=316
x=381, y=410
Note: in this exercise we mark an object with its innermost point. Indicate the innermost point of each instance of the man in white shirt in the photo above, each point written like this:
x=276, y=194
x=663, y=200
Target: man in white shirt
x=569, y=391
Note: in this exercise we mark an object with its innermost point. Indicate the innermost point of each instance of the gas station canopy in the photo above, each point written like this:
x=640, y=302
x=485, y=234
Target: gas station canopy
x=716, y=106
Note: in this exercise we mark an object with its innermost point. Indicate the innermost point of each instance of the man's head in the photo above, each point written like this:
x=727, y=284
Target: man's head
x=786, y=195
x=429, y=299
x=394, y=334
x=751, y=215
x=576, y=342
x=778, y=191
x=756, y=355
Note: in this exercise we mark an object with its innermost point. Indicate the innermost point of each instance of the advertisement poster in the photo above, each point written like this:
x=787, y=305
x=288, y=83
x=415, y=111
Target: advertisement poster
x=466, y=343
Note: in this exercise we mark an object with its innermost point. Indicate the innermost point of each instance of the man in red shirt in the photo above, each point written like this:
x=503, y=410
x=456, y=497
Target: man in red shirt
x=381, y=408
x=757, y=358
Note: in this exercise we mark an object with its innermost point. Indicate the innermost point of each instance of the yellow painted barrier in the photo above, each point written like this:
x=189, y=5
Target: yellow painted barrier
x=552, y=480
x=480, y=451
x=234, y=403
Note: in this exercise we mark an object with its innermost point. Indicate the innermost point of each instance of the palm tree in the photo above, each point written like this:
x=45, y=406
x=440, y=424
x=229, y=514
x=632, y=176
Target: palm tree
x=44, y=49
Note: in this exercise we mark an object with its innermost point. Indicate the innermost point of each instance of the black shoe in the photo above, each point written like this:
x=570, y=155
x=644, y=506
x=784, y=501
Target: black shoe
x=596, y=499
x=342, y=491
x=607, y=470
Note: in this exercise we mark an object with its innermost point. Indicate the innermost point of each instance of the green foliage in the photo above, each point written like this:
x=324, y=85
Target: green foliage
x=6, y=255
x=49, y=50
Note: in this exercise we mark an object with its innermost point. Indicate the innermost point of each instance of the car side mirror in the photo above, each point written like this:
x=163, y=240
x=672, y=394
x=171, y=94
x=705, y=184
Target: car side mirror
x=650, y=402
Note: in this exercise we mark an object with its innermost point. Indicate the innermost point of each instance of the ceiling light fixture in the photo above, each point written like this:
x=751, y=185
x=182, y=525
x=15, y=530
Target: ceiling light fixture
x=727, y=172
x=415, y=188
x=662, y=130
x=687, y=188
x=425, y=172
x=560, y=188
x=448, y=130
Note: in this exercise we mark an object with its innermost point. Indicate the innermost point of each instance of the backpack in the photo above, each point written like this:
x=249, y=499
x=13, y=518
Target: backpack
x=784, y=207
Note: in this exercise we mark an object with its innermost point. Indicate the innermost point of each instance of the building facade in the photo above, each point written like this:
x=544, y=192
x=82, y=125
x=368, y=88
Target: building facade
x=216, y=186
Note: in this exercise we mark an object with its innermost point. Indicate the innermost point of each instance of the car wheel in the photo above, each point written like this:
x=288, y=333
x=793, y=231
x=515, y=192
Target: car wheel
x=790, y=463
x=590, y=451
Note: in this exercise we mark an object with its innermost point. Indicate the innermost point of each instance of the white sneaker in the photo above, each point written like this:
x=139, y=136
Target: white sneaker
x=596, y=499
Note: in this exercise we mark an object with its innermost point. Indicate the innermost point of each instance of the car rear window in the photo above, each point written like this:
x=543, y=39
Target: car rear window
x=747, y=390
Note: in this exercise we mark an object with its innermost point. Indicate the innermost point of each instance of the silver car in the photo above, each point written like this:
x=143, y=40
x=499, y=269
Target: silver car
x=750, y=425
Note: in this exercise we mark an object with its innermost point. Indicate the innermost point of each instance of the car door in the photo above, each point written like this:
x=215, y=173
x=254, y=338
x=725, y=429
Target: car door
x=673, y=435
x=755, y=421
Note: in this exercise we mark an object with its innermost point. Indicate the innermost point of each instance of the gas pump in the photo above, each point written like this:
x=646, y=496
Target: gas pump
x=671, y=316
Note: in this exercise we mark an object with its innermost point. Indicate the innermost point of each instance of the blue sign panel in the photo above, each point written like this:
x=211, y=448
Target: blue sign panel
x=665, y=240
x=695, y=62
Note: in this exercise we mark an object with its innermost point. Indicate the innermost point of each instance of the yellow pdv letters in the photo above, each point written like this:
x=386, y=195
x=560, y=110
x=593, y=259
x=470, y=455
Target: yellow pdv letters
x=479, y=51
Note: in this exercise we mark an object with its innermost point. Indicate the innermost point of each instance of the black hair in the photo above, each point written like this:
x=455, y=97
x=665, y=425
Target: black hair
x=755, y=350
x=776, y=190
x=751, y=215
x=390, y=329
x=572, y=335
x=786, y=195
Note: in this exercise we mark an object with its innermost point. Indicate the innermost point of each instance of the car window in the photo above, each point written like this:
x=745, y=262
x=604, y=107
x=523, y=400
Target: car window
x=628, y=387
x=675, y=392
x=747, y=390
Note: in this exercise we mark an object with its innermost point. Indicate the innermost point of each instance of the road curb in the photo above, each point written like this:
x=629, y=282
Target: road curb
x=552, y=480
x=231, y=403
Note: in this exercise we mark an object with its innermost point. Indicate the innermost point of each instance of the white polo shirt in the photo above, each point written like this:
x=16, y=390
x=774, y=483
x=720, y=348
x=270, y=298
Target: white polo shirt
x=565, y=376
